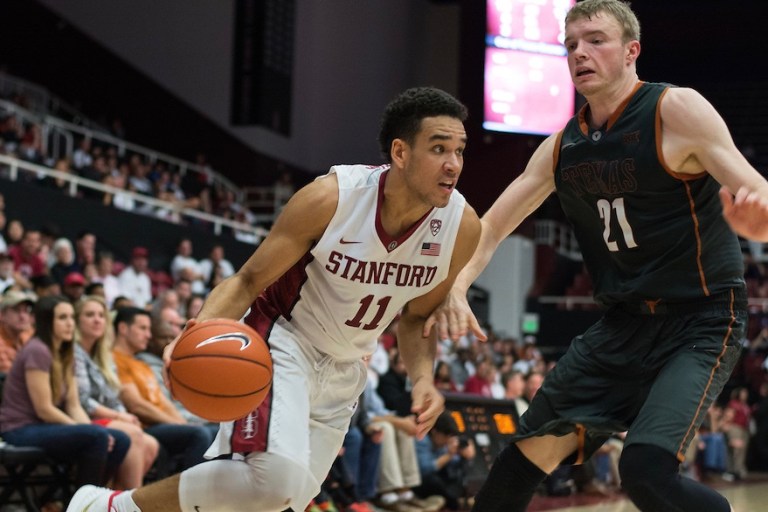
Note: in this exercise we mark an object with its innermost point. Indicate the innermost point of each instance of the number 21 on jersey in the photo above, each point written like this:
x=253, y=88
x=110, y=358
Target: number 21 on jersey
x=606, y=209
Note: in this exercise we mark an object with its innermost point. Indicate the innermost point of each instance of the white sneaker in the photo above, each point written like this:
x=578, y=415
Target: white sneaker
x=90, y=498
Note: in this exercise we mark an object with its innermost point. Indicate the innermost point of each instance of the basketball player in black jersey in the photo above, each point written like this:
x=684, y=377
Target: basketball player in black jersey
x=639, y=171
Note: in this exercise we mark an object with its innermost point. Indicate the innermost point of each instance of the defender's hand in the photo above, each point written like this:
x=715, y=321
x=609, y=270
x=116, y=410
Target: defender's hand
x=453, y=318
x=747, y=213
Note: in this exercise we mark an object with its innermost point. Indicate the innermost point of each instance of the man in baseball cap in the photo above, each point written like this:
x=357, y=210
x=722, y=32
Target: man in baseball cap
x=16, y=325
x=74, y=286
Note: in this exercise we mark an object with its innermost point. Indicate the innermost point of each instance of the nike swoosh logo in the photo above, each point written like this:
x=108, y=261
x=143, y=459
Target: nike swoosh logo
x=342, y=241
x=566, y=146
x=242, y=338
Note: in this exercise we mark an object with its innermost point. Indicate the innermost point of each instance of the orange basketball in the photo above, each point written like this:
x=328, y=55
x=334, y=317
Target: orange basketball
x=220, y=369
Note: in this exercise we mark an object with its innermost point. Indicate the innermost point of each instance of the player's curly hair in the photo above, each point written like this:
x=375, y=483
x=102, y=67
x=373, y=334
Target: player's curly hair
x=621, y=11
x=402, y=117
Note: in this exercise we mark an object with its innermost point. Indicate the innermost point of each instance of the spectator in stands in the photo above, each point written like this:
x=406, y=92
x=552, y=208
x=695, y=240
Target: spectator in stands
x=362, y=451
x=45, y=286
x=119, y=199
x=11, y=132
x=185, y=266
x=138, y=179
x=14, y=232
x=166, y=326
x=166, y=299
x=713, y=450
x=134, y=280
x=197, y=184
x=104, y=274
x=443, y=462
x=143, y=394
x=194, y=305
x=121, y=301
x=95, y=289
x=82, y=155
x=443, y=379
x=514, y=386
x=97, y=172
x=41, y=406
x=532, y=384
x=16, y=325
x=480, y=383
x=398, y=471
x=59, y=183
x=27, y=261
x=64, y=260
x=49, y=233
x=739, y=416
x=215, y=268
x=7, y=274
x=462, y=367
x=85, y=249
x=99, y=390
x=73, y=287
x=183, y=289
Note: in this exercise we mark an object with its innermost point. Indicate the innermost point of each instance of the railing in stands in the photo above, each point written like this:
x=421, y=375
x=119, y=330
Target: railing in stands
x=558, y=236
x=242, y=232
x=52, y=126
x=41, y=99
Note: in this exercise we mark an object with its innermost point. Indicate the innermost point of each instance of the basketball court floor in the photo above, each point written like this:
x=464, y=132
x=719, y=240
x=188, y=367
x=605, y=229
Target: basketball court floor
x=748, y=496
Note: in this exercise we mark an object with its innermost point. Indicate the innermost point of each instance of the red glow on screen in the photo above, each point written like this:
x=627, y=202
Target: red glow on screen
x=534, y=20
x=526, y=92
x=528, y=88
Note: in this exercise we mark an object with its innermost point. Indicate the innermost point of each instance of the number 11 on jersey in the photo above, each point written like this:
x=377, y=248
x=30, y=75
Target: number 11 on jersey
x=365, y=303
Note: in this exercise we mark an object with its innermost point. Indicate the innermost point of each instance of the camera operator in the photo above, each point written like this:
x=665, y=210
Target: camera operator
x=444, y=458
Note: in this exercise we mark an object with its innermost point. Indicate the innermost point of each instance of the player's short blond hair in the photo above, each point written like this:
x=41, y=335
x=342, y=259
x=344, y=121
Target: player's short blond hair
x=615, y=8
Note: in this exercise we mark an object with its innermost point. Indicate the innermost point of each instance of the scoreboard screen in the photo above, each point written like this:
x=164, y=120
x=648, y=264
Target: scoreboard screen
x=528, y=87
x=488, y=423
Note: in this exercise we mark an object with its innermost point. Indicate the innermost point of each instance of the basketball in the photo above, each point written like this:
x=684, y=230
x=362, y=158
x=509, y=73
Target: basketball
x=220, y=369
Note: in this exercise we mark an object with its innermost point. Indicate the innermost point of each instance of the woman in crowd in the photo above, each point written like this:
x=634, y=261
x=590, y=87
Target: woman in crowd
x=100, y=390
x=41, y=406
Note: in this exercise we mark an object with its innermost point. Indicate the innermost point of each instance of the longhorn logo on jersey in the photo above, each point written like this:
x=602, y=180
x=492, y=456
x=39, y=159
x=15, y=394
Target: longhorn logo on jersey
x=435, y=225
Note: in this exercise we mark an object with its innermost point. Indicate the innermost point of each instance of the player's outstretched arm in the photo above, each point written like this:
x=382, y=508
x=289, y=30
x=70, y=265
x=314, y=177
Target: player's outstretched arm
x=695, y=140
x=454, y=318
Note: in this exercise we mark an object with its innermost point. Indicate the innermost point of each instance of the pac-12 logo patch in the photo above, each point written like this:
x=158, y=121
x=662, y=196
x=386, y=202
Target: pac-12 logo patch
x=435, y=225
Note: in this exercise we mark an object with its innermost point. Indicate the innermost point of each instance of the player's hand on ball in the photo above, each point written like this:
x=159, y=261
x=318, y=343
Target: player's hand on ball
x=168, y=350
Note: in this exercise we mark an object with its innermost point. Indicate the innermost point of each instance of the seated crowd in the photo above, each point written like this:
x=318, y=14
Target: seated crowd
x=81, y=341
x=80, y=356
x=110, y=165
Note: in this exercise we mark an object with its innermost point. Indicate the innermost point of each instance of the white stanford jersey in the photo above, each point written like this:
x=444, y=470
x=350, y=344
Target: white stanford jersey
x=343, y=293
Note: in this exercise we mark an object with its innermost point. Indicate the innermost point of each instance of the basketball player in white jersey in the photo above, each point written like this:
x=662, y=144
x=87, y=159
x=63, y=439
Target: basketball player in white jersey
x=348, y=252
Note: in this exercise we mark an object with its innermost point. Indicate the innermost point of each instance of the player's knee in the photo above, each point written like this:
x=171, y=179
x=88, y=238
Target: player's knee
x=646, y=468
x=286, y=483
x=266, y=482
